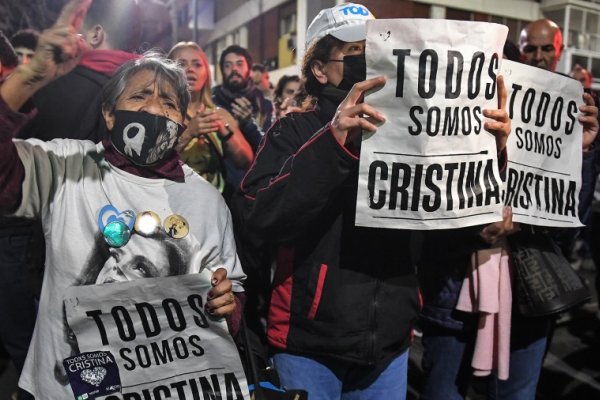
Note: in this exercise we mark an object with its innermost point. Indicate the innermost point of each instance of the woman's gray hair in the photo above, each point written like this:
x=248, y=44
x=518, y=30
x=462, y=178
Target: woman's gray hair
x=166, y=72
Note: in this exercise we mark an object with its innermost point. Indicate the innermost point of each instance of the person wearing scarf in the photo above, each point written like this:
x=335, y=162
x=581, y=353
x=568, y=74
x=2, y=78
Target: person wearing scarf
x=66, y=182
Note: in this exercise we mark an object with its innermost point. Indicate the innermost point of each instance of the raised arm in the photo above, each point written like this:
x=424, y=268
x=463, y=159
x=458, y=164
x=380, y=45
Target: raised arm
x=58, y=50
x=57, y=53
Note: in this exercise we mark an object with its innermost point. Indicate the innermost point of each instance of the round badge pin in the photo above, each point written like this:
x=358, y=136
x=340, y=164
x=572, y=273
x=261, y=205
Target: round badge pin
x=116, y=233
x=147, y=223
x=176, y=226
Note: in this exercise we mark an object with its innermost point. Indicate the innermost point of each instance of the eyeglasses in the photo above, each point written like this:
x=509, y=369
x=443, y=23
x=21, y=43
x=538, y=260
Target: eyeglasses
x=547, y=48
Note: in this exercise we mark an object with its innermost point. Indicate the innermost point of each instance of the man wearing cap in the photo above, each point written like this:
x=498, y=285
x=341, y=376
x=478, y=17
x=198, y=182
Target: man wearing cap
x=344, y=298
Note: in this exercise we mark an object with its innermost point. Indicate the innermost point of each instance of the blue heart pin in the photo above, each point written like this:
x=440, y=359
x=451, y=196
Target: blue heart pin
x=109, y=214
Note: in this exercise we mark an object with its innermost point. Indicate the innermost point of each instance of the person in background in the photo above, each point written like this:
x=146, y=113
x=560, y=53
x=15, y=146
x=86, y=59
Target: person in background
x=285, y=92
x=112, y=30
x=25, y=42
x=246, y=102
x=71, y=185
x=17, y=287
x=449, y=334
x=582, y=75
x=8, y=57
x=541, y=45
x=591, y=233
x=212, y=134
x=584, y=252
x=511, y=51
x=260, y=77
x=240, y=96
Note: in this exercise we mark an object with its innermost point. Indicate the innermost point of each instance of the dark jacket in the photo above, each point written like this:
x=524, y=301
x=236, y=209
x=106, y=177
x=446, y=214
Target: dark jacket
x=340, y=291
x=253, y=131
x=69, y=107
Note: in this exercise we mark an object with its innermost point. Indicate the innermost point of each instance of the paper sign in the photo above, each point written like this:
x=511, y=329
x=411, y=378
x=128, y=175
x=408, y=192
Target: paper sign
x=164, y=343
x=544, y=149
x=431, y=165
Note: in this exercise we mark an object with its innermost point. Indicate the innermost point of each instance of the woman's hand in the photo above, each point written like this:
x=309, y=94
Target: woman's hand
x=349, y=120
x=59, y=47
x=287, y=106
x=235, y=145
x=491, y=233
x=500, y=125
x=589, y=120
x=203, y=123
x=58, y=51
x=221, y=300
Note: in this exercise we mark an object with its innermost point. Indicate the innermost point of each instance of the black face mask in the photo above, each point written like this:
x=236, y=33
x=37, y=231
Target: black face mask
x=144, y=138
x=355, y=70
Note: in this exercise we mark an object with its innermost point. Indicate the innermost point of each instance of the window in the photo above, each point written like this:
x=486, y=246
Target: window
x=287, y=24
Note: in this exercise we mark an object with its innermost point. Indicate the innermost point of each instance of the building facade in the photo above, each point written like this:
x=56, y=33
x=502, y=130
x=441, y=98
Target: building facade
x=274, y=30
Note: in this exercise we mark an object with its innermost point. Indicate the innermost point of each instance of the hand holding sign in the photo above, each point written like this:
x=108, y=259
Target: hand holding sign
x=492, y=232
x=348, y=123
x=221, y=300
x=589, y=120
x=501, y=124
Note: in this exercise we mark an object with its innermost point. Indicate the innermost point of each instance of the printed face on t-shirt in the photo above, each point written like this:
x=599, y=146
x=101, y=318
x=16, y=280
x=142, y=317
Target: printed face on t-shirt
x=141, y=257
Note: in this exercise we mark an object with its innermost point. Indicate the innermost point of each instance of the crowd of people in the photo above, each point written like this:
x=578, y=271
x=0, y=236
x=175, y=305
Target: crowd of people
x=259, y=179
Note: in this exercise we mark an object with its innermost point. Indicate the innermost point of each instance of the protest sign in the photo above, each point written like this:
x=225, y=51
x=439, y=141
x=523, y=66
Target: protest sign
x=431, y=164
x=544, y=148
x=165, y=345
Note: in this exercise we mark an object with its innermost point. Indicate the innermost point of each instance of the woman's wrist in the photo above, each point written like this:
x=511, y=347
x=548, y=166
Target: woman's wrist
x=228, y=134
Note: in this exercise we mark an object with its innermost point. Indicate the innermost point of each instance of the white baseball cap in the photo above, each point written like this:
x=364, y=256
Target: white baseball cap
x=346, y=22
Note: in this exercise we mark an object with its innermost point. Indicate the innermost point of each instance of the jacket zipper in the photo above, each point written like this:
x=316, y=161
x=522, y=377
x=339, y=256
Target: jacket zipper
x=373, y=324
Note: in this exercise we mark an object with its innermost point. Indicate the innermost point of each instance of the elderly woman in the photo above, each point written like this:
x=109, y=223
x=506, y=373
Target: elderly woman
x=81, y=190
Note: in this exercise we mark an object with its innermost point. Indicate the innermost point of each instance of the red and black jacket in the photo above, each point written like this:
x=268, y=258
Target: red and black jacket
x=340, y=291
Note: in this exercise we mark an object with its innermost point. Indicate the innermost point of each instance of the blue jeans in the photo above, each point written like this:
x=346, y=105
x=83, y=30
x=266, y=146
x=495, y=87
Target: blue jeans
x=335, y=380
x=447, y=362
